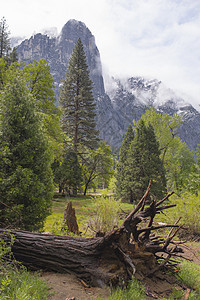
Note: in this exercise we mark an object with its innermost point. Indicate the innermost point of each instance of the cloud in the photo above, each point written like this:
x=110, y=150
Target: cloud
x=153, y=38
x=159, y=39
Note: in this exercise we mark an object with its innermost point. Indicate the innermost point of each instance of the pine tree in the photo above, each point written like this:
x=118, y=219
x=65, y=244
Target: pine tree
x=78, y=104
x=26, y=184
x=4, y=39
x=123, y=189
x=145, y=163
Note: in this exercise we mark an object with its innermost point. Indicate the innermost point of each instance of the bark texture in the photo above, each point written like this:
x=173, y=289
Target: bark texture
x=70, y=219
x=112, y=259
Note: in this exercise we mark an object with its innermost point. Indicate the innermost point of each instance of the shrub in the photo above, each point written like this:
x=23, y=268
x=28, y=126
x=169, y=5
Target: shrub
x=187, y=207
x=106, y=214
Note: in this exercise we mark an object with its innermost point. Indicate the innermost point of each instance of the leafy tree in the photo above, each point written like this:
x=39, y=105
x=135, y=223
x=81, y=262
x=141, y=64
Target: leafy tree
x=77, y=102
x=178, y=160
x=145, y=163
x=4, y=39
x=68, y=172
x=41, y=85
x=192, y=177
x=97, y=164
x=123, y=189
x=179, y=163
x=165, y=128
x=26, y=179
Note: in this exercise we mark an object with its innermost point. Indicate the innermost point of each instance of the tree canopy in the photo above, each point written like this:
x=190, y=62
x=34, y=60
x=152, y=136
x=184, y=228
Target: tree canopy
x=25, y=164
x=122, y=170
x=77, y=103
x=4, y=39
x=140, y=157
x=97, y=164
x=178, y=160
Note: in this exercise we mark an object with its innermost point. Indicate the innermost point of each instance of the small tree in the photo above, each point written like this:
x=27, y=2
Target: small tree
x=165, y=128
x=178, y=160
x=4, y=39
x=145, y=163
x=123, y=189
x=179, y=165
x=68, y=172
x=97, y=165
x=193, y=179
x=25, y=160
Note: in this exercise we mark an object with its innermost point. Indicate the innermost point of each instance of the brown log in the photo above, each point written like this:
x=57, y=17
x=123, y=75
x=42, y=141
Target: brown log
x=109, y=260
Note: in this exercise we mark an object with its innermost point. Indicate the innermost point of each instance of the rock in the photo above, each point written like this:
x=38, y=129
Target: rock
x=125, y=100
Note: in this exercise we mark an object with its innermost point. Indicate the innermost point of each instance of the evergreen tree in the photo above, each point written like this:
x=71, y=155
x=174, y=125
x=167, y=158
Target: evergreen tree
x=4, y=39
x=68, y=172
x=25, y=160
x=145, y=163
x=77, y=102
x=178, y=160
x=123, y=189
x=12, y=56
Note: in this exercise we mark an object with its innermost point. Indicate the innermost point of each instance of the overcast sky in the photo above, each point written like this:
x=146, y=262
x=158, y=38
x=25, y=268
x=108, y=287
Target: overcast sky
x=150, y=38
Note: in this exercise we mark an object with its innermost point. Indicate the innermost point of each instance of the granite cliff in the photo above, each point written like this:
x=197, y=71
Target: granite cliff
x=125, y=100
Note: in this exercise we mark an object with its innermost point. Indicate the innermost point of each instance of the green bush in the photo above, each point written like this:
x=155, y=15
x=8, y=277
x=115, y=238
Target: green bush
x=187, y=207
x=106, y=214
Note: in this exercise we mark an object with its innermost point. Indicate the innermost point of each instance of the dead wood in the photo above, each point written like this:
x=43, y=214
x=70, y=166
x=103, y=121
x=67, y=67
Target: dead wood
x=70, y=219
x=114, y=258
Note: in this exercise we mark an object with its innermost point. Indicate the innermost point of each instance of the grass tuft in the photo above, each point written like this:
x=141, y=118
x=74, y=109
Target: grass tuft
x=134, y=291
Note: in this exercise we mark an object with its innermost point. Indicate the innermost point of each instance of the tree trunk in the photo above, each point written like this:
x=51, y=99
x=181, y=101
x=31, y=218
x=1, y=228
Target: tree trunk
x=86, y=187
x=109, y=260
x=70, y=219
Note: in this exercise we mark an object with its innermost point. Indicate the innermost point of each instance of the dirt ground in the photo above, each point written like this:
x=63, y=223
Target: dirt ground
x=67, y=286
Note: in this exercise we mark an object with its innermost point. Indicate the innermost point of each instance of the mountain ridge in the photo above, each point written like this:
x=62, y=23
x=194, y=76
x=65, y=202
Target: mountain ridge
x=127, y=99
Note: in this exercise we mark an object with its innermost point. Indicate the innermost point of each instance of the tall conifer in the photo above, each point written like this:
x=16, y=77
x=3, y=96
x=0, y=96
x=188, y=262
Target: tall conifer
x=26, y=183
x=145, y=163
x=77, y=102
x=4, y=39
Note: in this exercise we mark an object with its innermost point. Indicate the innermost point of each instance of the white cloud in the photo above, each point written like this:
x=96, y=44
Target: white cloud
x=153, y=38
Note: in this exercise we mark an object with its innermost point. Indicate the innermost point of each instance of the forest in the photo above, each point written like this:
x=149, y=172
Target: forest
x=70, y=202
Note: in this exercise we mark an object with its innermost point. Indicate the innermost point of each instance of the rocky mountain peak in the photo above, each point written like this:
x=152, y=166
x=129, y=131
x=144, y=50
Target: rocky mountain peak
x=124, y=100
x=57, y=52
x=74, y=29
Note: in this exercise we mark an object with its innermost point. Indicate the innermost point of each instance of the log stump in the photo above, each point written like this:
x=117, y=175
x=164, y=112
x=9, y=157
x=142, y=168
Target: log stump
x=70, y=219
x=133, y=248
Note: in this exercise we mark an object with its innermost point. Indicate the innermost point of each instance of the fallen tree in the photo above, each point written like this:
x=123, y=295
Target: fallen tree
x=112, y=259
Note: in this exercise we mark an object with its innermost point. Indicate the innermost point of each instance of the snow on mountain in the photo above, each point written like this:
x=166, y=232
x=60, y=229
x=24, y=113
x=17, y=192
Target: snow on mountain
x=120, y=100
